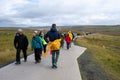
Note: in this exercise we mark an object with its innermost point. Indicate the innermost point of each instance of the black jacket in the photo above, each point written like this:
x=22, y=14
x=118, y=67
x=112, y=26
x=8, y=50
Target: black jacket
x=53, y=34
x=20, y=41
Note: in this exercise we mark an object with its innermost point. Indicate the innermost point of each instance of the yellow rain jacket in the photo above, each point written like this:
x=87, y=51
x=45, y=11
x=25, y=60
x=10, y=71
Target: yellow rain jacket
x=70, y=35
x=55, y=45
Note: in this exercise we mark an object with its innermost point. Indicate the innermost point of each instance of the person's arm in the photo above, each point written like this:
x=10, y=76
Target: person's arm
x=47, y=37
x=15, y=42
x=59, y=35
x=32, y=45
x=41, y=43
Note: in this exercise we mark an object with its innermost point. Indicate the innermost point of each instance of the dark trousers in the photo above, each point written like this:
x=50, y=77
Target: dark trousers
x=55, y=56
x=44, y=46
x=18, y=54
x=62, y=44
x=38, y=53
x=68, y=45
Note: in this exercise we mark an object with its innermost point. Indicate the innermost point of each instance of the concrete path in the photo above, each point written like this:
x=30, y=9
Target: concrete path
x=67, y=67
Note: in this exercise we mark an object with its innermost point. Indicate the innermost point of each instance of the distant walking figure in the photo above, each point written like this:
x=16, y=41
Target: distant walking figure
x=37, y=45
x=62, y=40
x=53, y=36
x=20, y=43
x=68, y=41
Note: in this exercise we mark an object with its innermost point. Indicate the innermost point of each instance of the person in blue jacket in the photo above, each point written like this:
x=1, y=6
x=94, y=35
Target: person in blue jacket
x=52, y=35
x=36, y=44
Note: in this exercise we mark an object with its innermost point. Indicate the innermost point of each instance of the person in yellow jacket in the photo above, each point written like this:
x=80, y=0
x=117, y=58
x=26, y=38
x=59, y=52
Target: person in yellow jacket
x=71, y=36
x=54, y=37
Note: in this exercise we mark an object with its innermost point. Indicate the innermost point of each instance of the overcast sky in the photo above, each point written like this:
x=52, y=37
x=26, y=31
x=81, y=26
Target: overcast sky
x=62, y=12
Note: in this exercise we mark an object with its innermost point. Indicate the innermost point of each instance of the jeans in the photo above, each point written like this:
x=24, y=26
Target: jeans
x=62, y=44
x=18, y=54
x=55, y=56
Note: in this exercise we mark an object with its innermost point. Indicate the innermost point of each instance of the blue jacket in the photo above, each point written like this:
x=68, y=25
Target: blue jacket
x=53, y=34
x=36, y=43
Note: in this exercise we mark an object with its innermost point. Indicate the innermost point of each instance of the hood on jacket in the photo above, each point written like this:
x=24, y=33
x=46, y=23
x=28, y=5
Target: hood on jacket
x=53, y=30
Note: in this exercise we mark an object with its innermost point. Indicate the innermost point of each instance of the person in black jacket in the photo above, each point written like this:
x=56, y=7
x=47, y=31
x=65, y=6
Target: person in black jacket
x=52, y=35
x=20, y=43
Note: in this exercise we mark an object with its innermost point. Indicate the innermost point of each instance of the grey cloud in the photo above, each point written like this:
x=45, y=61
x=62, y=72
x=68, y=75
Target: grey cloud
x=5, y=22
x=65, y=12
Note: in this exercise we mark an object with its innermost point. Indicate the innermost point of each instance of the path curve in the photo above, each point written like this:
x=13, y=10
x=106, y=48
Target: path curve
x=67, y=67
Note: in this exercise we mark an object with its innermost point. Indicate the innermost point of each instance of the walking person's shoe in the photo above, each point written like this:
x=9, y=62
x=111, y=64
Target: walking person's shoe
x=55, y=66
x=36, y=62
x=18, y=63
x=25, y=60
x=39, y=60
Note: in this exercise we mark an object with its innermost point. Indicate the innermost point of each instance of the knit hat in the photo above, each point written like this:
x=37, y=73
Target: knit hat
x=20, y=30
x=35, y=32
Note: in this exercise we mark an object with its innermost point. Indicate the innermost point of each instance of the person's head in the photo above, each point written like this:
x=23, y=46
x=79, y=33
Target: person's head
x=69, y=32
x=41, y=33
x=35, y=33
x=20, y=31
x=53, y=28
x=53, y=25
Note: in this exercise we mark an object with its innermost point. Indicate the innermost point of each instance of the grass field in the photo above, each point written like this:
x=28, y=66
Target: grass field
x=104, y=51
x=109, y=30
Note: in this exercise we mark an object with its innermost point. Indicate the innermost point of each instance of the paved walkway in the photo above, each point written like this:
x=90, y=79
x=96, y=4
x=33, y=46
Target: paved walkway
x=67, y=67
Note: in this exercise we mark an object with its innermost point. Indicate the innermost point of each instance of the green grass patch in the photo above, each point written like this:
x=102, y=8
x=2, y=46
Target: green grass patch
x=104, y=50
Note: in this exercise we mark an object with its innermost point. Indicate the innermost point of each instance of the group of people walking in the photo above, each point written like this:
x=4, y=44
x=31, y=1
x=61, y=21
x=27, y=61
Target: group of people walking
x=39, y=44
x=68, y=38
